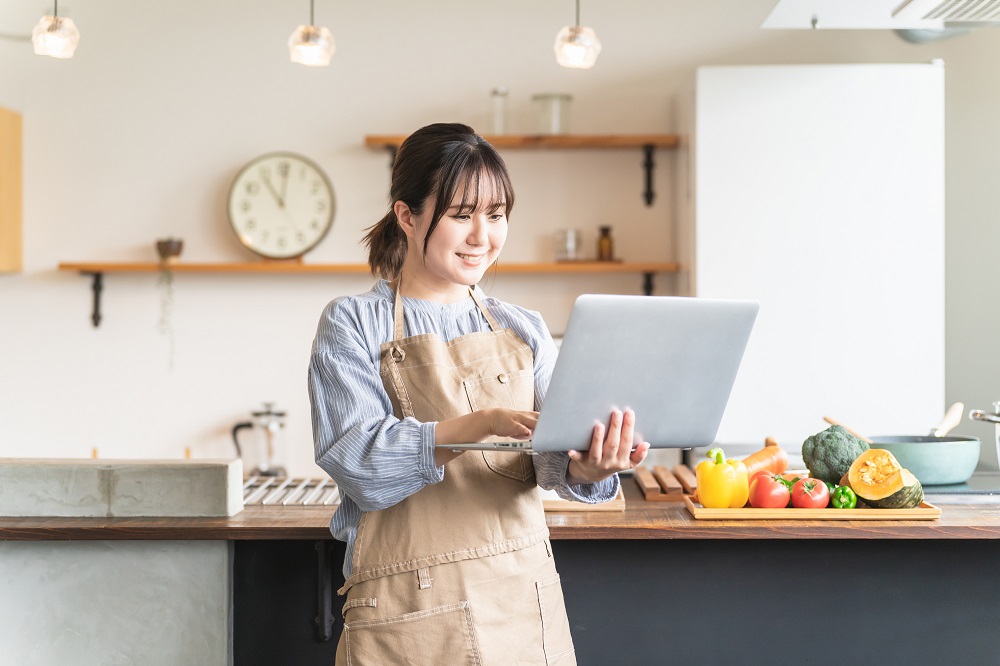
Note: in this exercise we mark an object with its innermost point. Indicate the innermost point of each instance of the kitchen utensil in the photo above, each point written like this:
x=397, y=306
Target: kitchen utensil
x=934, y=459
x=259, y=459
x=833, y=421
x=994, y=418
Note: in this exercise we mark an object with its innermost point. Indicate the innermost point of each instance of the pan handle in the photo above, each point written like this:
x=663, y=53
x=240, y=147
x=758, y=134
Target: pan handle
x=980, y=415
x=951, y=418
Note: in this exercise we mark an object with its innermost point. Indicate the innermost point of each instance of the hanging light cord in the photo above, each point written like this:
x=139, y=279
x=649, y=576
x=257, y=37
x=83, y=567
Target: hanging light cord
x=312, y=20
x=578, y=12
x=55, y=10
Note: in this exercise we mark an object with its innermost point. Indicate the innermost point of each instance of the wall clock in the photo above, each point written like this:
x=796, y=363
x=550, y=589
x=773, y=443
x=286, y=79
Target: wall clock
x=281, y=205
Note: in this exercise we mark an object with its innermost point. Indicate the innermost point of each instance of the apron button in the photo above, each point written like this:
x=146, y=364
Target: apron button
x=502, y=377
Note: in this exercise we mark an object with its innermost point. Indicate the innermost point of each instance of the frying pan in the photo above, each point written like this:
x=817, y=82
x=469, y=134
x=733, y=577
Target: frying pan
x=935, y=459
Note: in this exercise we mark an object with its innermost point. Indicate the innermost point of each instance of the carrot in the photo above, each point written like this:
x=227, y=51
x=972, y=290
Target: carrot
x=772, y=458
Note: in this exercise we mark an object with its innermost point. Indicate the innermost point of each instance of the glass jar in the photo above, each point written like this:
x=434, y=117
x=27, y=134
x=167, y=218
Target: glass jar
x=569, y=244
x=499, y=110
x=553, y=112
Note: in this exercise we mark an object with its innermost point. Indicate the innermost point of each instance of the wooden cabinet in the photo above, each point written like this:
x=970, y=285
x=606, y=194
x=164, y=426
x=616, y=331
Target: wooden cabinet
x=11, y=253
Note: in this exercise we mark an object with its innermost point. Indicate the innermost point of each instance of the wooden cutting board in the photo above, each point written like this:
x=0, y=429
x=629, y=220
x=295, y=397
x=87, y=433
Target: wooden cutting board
x=926, y=511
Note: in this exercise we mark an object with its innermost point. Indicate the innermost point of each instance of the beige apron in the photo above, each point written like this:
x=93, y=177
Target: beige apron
x=460, y=572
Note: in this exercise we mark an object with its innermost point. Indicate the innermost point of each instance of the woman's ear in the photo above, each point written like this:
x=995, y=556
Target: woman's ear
x=404, y=217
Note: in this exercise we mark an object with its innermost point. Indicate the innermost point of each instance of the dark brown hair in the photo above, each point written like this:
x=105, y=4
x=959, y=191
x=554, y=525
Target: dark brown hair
x=435, y=161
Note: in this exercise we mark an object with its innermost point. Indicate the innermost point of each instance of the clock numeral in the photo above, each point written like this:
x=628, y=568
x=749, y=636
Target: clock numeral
x=314, y=224
x=302, y=172
x=315, y=187
x=300, y=237
x=253, y=187
x=264, y=236
x=281, y=242
x=283, y=168
x=320, y=206
x=251, y=224
x=245, y=205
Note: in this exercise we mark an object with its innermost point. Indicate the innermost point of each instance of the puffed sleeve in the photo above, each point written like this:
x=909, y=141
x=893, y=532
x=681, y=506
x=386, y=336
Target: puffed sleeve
x=375, y=458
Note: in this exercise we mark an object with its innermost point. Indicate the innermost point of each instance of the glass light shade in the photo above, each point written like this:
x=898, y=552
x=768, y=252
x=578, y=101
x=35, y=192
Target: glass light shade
x=311, y=45
x=577, y=47
x=55, y=36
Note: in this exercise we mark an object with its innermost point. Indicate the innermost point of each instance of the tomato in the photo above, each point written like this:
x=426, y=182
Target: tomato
x=768, y=492
x=810, y=493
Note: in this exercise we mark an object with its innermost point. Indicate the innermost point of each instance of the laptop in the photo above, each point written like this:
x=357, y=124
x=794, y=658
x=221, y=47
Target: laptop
x=672, y=359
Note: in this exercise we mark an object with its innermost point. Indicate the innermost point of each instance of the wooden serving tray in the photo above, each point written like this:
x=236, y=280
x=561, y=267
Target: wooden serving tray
x=926, y=511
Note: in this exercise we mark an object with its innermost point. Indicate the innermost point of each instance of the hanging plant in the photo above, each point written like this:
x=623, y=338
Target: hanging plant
x=169, y=250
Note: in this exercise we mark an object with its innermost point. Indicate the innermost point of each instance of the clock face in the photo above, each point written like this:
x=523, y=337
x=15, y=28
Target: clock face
x=281, y=205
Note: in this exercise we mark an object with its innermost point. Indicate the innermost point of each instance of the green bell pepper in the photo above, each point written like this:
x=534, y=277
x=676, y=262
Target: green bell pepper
x=844, y=498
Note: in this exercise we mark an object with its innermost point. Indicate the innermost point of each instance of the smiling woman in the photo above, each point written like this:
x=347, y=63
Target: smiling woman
x=426, y=359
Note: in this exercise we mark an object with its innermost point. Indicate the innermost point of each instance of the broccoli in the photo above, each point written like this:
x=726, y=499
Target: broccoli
x=829, y=454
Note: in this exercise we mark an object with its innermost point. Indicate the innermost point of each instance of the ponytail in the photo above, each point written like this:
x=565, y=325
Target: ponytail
x=386, y=247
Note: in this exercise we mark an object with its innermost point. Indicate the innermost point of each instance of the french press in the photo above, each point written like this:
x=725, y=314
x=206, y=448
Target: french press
x=267, y=425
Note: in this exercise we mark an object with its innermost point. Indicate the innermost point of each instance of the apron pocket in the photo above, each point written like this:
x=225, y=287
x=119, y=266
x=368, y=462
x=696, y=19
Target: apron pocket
x=442, y=635
x=517, y=466
x=557, y=642
x=500, y=391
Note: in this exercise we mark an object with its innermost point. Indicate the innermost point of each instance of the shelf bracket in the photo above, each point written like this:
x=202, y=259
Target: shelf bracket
x=647, y=284
x=648, y=164
x=96, y=285
x=324, y=591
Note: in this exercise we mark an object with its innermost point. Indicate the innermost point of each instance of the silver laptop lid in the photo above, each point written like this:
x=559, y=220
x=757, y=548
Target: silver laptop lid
x=671, y=359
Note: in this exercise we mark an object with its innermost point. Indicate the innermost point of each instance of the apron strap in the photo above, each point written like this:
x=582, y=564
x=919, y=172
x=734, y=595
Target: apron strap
x=397, y=311
x=494, y=326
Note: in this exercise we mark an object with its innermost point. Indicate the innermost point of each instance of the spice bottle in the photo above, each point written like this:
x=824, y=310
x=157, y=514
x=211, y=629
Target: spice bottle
x=605, y=245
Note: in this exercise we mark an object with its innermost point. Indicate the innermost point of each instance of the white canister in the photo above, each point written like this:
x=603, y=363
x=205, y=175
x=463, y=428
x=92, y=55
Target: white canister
x=553, y=112
x=569, y=245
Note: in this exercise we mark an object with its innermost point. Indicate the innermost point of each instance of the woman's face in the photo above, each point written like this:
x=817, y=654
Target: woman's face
x=464, y=244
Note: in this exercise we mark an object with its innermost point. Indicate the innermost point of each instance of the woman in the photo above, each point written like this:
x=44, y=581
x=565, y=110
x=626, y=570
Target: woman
x=448, y=559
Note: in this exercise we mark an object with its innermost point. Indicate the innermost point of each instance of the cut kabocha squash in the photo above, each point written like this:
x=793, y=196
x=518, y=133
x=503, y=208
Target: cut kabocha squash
x=878, y=479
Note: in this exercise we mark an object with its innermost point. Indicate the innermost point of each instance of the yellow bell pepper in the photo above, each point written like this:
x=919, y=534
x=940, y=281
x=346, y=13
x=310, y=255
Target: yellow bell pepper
x=722, y=484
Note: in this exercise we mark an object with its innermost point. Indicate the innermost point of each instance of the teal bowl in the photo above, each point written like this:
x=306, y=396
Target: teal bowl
x=935, y=461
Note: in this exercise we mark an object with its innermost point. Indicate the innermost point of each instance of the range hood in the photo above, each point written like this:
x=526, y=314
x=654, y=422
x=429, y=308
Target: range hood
x=883, y=14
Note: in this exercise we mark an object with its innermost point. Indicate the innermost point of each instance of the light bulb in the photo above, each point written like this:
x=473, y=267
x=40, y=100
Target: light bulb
x=55, y=36
x=577, y=47
x=312, y=46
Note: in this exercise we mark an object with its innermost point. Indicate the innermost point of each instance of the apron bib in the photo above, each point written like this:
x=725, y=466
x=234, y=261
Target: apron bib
x=454, y=572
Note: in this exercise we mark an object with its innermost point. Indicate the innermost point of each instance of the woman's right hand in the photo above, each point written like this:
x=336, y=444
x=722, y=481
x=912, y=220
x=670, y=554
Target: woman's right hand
x=510, y=423
x=478, y=426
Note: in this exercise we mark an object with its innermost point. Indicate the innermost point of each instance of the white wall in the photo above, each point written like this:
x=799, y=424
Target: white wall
x=139, y=135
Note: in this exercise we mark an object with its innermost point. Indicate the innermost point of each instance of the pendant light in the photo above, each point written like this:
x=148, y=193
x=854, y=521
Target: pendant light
x=310, y=45
x=55, y=35
x=577, y=46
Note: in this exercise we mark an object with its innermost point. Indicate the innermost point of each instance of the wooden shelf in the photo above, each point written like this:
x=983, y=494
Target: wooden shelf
x=359, y=269
x=535, y=141
x=97, y=270
x=647, y=142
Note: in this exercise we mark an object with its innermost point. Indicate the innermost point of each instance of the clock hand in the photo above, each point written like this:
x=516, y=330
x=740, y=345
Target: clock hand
x=284, y=184
x=274, y=193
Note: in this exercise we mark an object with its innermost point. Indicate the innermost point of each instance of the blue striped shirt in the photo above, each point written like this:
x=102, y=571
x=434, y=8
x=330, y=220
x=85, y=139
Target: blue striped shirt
x=376, y=459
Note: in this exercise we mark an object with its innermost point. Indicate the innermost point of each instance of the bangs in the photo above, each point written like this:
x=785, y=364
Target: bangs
x=478, y=179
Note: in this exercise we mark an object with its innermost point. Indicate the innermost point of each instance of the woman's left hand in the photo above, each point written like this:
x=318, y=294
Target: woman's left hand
x=609, y=453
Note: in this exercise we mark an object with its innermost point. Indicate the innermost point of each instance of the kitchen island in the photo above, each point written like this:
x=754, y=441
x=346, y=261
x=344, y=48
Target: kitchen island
x=649, y=584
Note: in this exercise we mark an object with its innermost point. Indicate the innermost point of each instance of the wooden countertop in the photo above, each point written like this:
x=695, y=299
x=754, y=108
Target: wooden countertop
x=640, y=520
